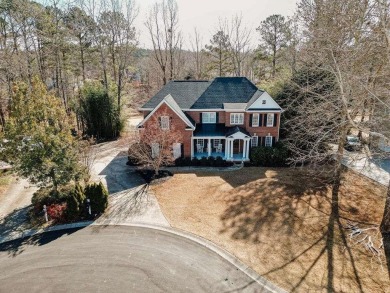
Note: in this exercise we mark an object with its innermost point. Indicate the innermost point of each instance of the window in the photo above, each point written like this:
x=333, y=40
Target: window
x=270, y=120
x=268, y=141
x=216, y=142
x=176, y=150
x=255, y=141
x=263, y=102
x=237, y=118
x=255, y=120
x=209, y=117
x=155, y=150
x=164, y=122
x=200, y=141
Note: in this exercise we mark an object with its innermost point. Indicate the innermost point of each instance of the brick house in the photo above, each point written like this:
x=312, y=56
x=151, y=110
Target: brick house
x=224, y=117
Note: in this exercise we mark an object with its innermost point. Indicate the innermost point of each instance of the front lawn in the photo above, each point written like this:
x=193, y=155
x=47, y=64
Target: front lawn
x=277, y=222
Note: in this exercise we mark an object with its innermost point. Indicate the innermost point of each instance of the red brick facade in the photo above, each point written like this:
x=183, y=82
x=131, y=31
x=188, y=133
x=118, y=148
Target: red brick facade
x=223, y=117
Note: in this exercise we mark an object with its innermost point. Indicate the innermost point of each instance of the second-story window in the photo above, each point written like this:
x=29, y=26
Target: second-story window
x=164, y=122
x=237, y=118
x=209, y=117
x=270, y=120
x=255, y=120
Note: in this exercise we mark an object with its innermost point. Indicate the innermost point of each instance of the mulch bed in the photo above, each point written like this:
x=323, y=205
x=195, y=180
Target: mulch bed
x=151, y=178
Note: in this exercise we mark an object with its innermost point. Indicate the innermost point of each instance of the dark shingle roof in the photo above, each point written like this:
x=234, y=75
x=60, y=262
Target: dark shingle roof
x=232, y=130
x=217, y=129
x=225, y=90
x=184, y=92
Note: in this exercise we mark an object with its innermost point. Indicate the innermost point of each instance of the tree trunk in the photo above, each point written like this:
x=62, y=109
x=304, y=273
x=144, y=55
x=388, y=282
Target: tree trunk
x=103, y=60
x=385, y=224
x=82, y=59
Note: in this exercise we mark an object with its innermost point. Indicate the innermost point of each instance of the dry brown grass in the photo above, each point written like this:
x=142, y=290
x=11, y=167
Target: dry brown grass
x=276, y=221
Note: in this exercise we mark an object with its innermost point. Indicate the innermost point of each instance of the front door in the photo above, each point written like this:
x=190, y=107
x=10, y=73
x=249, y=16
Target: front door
x=236, y=146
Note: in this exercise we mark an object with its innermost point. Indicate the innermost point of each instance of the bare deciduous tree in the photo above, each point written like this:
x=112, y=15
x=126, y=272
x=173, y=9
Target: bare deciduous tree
x=153, y=146
x=162, y=25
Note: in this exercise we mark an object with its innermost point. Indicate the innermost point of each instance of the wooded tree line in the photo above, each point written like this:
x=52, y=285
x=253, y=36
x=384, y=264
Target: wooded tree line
x=69, y=43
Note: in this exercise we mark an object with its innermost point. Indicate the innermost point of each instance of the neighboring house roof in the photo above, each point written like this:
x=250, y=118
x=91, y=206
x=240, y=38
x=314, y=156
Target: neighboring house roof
x=225, y=93
x=170, y=102
x=184, y=92
x=225, y=90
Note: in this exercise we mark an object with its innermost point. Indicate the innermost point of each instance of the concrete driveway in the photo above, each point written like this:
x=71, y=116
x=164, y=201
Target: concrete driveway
x=130, y=199
x=118, y=259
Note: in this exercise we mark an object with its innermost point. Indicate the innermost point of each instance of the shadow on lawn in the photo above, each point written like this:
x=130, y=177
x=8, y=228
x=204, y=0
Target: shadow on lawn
x=289, y=203
x=16, y=247
x=231, y=177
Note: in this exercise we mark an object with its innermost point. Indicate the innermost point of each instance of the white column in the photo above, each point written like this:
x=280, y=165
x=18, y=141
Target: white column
x=192, y=147
x=244, y=149
x=209, y=147
x=231, y=148
x=247, y=148
x=226, y=148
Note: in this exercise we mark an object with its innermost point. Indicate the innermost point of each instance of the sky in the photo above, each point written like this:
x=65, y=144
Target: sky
x=204, y=15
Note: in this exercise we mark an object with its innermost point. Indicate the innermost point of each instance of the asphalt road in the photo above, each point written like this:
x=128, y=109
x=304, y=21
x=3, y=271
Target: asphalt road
x=117, y=259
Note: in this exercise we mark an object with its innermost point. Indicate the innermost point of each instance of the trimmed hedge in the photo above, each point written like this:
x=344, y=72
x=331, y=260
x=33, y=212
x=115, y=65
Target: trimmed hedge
x=270, y=156
x=98, y=196
x=204, y=162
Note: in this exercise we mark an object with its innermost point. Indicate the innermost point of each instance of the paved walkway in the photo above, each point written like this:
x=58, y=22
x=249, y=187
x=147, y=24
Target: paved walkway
x=378, y=170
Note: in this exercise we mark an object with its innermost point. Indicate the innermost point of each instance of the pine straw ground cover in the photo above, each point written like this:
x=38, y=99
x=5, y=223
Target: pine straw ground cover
x=276, y=221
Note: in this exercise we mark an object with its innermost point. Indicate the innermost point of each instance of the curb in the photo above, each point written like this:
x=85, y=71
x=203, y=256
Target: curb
x=195, y=238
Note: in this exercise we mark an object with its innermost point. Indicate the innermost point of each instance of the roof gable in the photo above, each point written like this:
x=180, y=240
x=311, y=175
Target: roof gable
x=171, y=103
x=257, y=102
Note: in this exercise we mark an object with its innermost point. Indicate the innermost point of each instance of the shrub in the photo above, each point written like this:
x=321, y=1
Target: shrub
x=211, y=161
x=47, y=196
x=195, y=162
x=75, y=203
x=219, y=162
x=98, y=196
x=204, y=161
x=56, y=212
x=270, y=157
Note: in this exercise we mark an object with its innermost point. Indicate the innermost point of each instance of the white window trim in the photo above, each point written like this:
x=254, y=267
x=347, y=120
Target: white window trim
x=209, y=120
x=256, y=139
x=155, y=150
x=176, y=150
x=235, y=118
x=269, y=115
x=258, y=117
x=268, y=141
x=164, y=120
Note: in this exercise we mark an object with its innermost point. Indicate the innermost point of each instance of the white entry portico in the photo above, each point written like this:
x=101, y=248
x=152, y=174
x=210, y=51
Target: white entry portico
x=232, y=147
x=237, y=144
